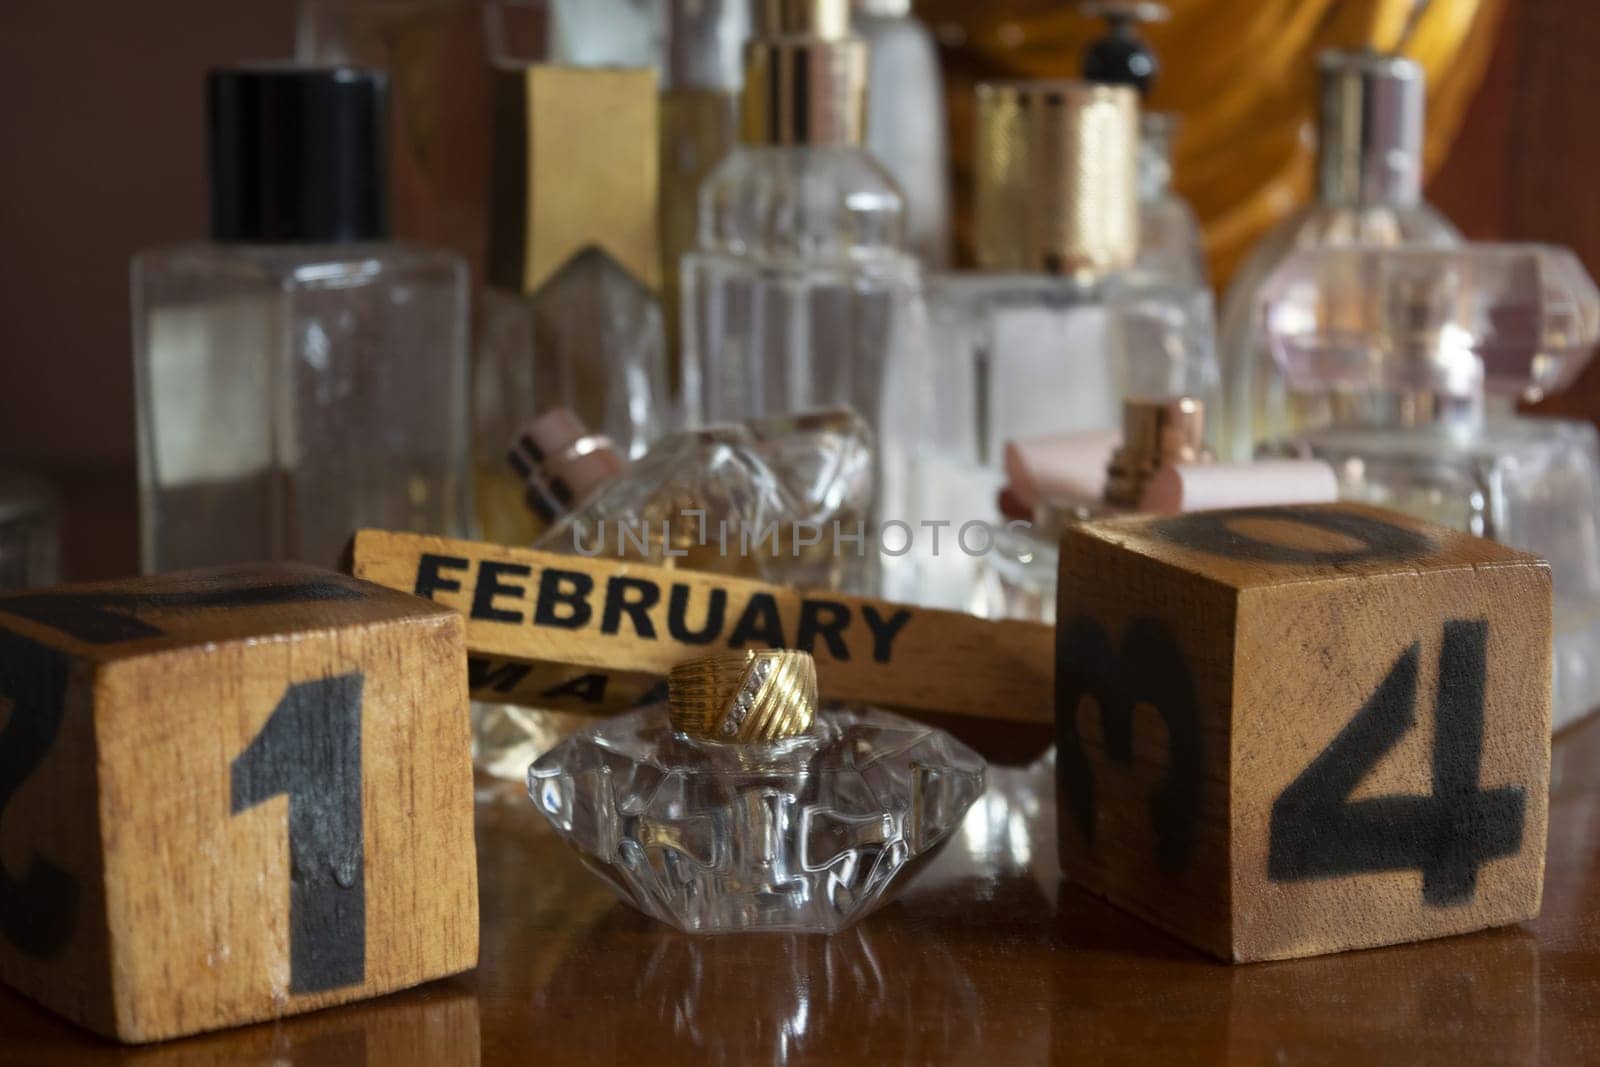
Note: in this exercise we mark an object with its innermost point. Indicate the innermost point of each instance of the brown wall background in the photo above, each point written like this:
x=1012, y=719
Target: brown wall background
x=102, y=126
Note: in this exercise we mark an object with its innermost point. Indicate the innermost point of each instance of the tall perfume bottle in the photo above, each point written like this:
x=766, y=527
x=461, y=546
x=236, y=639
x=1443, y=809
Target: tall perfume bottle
x=700, y=86
x=800, y=294
x=1369, y=192
x=906, y=120
x=743, y=804
x=1061, y=325
x=1406, y=363
x=299, y=376
x=1171, y=244
x=571, y=317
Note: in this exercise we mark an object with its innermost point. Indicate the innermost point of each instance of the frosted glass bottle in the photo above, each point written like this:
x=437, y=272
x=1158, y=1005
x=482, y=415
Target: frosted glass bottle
x=299, y=376
x=1369, y=192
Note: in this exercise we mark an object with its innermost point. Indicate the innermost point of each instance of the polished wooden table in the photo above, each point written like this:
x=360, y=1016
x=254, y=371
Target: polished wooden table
x=987, y=958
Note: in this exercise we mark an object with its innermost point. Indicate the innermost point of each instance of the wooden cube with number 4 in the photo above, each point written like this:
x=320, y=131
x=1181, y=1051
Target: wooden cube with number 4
x=231, y=796
x=1289, y=731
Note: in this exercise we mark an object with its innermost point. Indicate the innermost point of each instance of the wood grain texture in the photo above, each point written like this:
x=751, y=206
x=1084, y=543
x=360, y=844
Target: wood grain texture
x=1285, y=732
x=260, y=794
x=576, y=622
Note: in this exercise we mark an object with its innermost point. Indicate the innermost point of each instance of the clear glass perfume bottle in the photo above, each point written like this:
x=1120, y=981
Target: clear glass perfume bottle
x=299, y=377
x=800, y=294
x=570, y=317
x=1061, y=325
x=1403, y=365
x=699, y=125
x=906, y=120
x=742, y=805
x=1369, y=192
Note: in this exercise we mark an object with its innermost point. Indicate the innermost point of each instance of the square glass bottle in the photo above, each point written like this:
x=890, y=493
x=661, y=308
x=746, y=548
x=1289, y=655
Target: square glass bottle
x=299, y=376
x=1401, y=368
x=1060, y=325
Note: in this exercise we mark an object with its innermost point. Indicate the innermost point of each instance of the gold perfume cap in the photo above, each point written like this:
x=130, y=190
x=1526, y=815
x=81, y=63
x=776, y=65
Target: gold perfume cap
x=1057, y=177
x=805, y=79
x=744, y=696
x=574, y=167
x=1155, y=434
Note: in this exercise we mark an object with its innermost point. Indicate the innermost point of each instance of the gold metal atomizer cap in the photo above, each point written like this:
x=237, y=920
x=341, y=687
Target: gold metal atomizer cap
x=805, y=77
x=744, y=696
x=1057, y=177
x=1155, y=434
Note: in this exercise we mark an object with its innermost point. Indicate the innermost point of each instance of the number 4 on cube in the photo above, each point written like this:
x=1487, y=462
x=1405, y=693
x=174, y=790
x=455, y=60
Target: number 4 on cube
x=231, y=796
x=1290, y=731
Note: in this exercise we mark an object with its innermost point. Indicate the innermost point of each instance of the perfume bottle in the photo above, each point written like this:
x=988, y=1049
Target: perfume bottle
x=1369, y=192
x=743, y=805
x=1158, y=465
x=1171, y=244
x=781, y=499
x=30, y=533
x=570, y=317
x=906, y=120
x=1061, y=325
x=699, y=126
x=298, y=377
x=1404, y=365
x=800, y=294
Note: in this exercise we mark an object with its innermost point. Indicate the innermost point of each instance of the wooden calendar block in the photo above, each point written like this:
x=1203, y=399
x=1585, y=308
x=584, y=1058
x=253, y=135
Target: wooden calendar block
x=230, y=796
x=1284, y=732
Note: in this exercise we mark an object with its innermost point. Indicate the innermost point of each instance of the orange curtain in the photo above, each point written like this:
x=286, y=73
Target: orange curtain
x=1241, y=73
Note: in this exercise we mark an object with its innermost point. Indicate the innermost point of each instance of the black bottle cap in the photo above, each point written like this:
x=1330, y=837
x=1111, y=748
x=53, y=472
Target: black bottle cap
x=299, y=154
x=1122, y=57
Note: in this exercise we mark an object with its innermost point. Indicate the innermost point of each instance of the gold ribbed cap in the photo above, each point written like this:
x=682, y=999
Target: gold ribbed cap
x=744, y=696
x=1057, y=177
x=805, y=78
x=1155, y=434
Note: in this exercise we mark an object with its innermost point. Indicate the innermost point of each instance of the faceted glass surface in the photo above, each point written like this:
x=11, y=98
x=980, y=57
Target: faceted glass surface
x=290, y=394
x=590, y=340
x=1253, y=405
x=808, y=834
x=1531, y=483
x=1512, y=320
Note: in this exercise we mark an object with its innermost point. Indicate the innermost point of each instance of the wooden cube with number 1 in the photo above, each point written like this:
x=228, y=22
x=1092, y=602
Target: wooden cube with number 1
x=231, y=796
x=1289, y=731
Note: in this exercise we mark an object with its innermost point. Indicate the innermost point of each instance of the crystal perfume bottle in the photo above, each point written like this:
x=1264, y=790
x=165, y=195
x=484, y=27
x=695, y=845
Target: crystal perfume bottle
x=298, y=377
x=700, y=86
x=800, y=294
x=1403, y=365
x=906, y=120
x=742, y=805
x=782, y=499
x=570, y=317
x=1061, y=325
x=1369, y=192
x=1171, y=245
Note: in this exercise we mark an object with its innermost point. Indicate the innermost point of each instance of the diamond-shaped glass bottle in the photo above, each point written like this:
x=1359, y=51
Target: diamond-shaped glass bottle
x=804, y=831
x=1403, y=365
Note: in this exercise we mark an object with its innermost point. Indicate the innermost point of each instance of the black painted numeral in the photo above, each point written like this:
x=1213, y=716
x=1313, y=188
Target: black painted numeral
x=1317, y=831
x=311, y=749
x=1148, y=669
x=38, y=911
